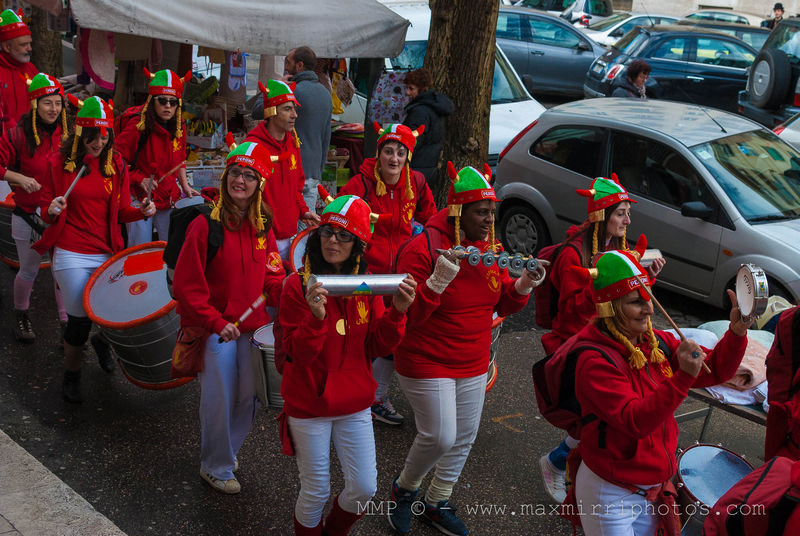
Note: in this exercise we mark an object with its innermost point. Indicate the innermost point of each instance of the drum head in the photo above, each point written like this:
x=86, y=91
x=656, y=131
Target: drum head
x=129, y=289
x=751, y=289
x=708, y=471
x=263, y=337
x=298, y=249
x=189, y=201
x=6, y=195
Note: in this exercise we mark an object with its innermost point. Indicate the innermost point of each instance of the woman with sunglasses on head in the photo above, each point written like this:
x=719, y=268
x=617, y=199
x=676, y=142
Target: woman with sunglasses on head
x=24, y=151
x=213, y=294
x=84, y=228
x=609, y=210
x=152, y=140
x=327, y=384
x=629, y=384
x=443, y=362
x=390, y=187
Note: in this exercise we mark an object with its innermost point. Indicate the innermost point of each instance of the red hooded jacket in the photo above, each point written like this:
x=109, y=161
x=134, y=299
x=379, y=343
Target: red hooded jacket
x=13, y=148
x=388, y=235
x=450, y=333
x=160, y=154
x=283, y=190
x=13, y=89
x=328, y=374
x=215, y=294
x=77, y=228
x=634, y=438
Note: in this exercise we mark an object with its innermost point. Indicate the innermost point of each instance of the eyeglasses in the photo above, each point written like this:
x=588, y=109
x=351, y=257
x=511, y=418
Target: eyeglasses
x=236, y=172
x=166, y=101
x=326, y=231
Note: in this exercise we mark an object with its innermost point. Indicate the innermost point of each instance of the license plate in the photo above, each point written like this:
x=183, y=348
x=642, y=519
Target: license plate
x=598, y=67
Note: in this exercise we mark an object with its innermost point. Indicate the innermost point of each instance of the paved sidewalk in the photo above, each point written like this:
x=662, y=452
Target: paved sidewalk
x=35, y=502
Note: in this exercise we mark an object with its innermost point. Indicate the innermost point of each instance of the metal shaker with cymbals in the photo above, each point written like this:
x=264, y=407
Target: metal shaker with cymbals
x=359, y=285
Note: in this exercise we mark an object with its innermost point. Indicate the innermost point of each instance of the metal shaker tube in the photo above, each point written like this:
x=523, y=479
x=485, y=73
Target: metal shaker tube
x=359, y=285
x=503, y=259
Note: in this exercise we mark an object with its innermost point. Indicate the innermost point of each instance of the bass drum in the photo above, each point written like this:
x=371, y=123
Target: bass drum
x=8, y=248
x=127, y=297
x=297, y=250
x=705, y=473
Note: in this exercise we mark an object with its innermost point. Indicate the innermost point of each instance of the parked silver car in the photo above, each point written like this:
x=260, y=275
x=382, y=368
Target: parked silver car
x=608, y=31
x=714, y=190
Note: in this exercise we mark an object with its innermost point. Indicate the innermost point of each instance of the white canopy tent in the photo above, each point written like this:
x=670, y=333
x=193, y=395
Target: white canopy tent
x=332, y=28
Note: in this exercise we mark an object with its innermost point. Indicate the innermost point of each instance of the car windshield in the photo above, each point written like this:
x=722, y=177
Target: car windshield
x=505, y=84
x=631, y=41
x=605, y=24
x=759, y=173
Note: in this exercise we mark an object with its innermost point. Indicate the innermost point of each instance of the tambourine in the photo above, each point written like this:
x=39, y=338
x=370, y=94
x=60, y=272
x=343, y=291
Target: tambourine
x=752, y=290
x=363, y=284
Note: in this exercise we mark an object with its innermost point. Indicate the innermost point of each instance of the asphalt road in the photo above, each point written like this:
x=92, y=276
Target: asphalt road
x=134, y=453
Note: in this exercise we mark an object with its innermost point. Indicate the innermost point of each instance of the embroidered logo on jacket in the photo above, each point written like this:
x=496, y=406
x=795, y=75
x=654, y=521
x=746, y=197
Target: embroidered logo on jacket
x=493, y=279
x=363, y=313
x=262, y=242
x=274, y=262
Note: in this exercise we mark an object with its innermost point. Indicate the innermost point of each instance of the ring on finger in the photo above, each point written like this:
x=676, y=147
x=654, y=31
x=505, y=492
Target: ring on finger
x=317, y=298
x=695, y=354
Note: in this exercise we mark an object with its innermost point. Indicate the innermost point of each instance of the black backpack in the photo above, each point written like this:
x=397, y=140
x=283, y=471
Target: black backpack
x=179, y=221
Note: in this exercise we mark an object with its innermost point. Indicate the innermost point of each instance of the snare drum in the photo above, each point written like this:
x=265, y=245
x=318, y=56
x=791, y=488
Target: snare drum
x=127, y=297
x=189, y=201
x=752, y=290
x=705, y=473
x=298, y=249
x=265, y=375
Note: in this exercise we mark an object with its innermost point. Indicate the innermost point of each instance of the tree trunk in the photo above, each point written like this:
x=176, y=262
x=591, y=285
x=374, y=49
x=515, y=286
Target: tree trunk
x=46, y=55
x=460, y=58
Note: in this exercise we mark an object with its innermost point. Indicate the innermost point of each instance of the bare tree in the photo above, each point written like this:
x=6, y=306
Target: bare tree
x=460, y=58
x=47, y=55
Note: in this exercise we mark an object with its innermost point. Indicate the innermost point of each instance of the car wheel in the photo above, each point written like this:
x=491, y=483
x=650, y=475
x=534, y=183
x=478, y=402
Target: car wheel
x=523, y=231
x=769, y=78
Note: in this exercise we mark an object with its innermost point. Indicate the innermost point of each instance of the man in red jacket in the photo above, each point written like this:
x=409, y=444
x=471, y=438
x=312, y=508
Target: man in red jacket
x=284, y=189
x=15, y=63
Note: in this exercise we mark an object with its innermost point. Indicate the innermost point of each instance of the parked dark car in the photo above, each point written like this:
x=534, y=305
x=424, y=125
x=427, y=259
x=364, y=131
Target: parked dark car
x=689, y=64
x=719, y=16
x=772, y=94
x=755, y=36
x=549, y=54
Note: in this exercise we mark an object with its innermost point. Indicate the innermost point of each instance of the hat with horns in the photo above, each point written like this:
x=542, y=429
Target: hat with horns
x=405, y=137
x=467, y=186
x=164, y=82
x=93, y=112
x=603, y=194
x=277, y=92
x=44, y=85
x=11, y=25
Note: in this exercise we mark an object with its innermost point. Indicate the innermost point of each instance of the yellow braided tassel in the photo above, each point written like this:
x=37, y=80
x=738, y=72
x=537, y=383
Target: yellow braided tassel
x=296, y=139
x=35, y=132
x=357, y=266
x=140, y=124
x=69, y=165
x=492, y=244
x=215, y=212
x=64, y=131
x=178, y=131
x=109, y=167
x=380, y=187
x=636, y=358
x=409, y=190
x=596, y=239
x=458, y=230
x=306, y=273
x=625, y=239
x=656, y=353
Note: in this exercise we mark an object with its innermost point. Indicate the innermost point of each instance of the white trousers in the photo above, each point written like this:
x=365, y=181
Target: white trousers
x=141, y=232
x=447, y=412
x=227, y=403
x=610, y=510
x=354, y=441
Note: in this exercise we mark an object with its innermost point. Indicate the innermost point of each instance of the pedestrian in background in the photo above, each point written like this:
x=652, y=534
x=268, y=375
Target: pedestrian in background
x=84, y=230
x=327, y=383
x=430, y=108
x=633, y=85
x=24, y=152
x=15, y=68
x=777, y=11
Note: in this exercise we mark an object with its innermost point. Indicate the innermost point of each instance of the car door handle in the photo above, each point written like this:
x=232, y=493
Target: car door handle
x=537, y=52
x=695, y=78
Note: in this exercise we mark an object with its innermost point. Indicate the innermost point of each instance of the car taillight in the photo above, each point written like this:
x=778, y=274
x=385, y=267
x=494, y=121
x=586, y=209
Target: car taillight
x=779, y=129
x=612, y=72
x=515, y=140
x=585, y=20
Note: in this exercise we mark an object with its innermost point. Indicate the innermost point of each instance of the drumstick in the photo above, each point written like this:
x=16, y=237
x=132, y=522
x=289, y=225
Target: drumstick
x=666, y=315
x=170, y=172
x=259, y=301
x=80, y=174
x=147, y=193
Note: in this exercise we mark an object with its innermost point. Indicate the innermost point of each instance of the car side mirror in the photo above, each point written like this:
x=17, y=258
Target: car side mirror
x=696, y=209
x=584, y=46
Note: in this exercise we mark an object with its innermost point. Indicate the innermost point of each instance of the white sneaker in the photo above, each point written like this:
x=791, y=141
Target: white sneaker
x=554, y=480
x=230, y=487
